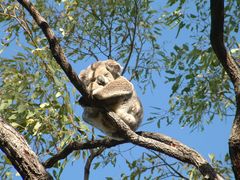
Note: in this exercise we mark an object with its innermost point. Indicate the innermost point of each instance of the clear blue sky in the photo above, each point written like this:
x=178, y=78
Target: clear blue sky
x=214, y=139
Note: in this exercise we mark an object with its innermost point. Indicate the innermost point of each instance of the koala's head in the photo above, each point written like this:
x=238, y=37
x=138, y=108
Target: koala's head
x=99, y=74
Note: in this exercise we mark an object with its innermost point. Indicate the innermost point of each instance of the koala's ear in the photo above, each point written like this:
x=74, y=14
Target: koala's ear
x=82, y=75
x=113, y=67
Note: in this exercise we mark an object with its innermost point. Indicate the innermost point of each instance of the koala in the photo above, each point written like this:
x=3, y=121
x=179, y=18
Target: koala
x=103, y=81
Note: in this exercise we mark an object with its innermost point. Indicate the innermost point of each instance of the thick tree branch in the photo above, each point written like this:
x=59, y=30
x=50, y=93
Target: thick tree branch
x=164, y=144
x=217, y=42
x=233, y=71
x=20, y=154
x=177, y=150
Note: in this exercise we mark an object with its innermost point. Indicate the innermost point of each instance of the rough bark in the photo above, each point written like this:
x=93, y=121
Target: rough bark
x=20, y=154
x=176, y=150
x=230, y=66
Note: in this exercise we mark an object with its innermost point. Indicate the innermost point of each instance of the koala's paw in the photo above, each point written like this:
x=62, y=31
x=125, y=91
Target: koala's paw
x=99, y=93
x=129, y=119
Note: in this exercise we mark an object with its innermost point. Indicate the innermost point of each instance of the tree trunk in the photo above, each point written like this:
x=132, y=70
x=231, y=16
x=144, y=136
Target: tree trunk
x=234, y=144
x=233, y=71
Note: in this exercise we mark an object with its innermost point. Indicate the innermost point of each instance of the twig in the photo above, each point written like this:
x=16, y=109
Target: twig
x=137, y=59
x=133, y=39
x=170, y=166
x=89, y=162
x=93, y=54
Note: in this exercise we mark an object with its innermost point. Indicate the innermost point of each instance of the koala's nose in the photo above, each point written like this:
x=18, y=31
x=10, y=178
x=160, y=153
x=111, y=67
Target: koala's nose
x=101, y=80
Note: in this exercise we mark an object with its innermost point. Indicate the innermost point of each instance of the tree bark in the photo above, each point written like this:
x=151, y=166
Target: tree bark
x=233, y=71
x=20, y=154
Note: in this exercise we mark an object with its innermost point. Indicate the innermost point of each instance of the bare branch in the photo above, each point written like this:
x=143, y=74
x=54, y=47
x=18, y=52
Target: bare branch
x=89, y=162
x=20, y=154
x=80, y=146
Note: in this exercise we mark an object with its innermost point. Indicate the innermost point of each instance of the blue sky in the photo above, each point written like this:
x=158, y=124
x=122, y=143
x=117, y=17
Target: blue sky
x=214, y=139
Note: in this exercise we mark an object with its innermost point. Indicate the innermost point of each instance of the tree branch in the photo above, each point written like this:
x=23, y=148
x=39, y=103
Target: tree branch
x=76, y=145
x=20, y=154
x=178, y=150
x=174, y=171
x=233, y=71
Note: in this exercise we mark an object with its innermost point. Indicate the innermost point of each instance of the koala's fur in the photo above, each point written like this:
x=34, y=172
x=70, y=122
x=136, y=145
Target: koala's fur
x=103, y=81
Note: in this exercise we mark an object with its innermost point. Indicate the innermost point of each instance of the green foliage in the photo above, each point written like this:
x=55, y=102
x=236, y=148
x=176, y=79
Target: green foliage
x=201, y=90
x=35, y=97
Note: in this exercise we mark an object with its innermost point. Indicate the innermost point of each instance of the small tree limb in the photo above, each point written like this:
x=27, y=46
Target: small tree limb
x=76, y=145
x=89, y=161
